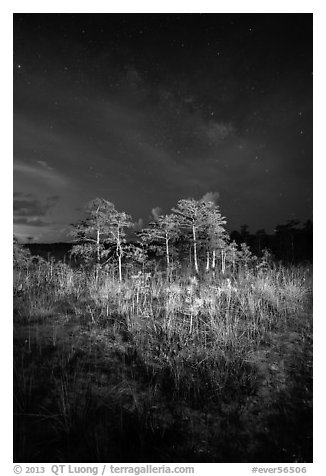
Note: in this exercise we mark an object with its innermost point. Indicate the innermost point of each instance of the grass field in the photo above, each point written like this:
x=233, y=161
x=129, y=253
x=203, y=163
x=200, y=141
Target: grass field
x=162, y=370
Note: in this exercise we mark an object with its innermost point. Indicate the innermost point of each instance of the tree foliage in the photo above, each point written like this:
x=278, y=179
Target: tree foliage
x=161, y=234
x=102, y=228
x=205, y=221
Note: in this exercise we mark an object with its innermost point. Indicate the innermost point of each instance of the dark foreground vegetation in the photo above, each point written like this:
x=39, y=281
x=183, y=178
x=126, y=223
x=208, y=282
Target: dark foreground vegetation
x=183, y=347
x=162, y=369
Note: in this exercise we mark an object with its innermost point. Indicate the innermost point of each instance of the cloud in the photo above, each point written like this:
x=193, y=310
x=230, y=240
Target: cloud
x=44, y=164
x=189, y=120
x=210, y=197
x=133, y=77
x=40, y=173
x=22, y=194
x=216, y=132
x=30, y=221
x=138, y=225
x=34, y=228
x=26, y=206
x=156, y=213
x=29, y=207
x=27, y=236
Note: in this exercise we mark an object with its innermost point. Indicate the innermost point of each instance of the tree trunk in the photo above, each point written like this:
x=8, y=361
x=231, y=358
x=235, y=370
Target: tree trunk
x=120, y=268
x=98, y=255
x=119, y=252
x=98, y=258
x=223, y=261
x=167, y=251
x=195, y=249
x=214, y=262
x=207, y=261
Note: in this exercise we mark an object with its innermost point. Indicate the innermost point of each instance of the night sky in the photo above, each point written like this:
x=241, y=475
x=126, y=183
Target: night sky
x=146, y=109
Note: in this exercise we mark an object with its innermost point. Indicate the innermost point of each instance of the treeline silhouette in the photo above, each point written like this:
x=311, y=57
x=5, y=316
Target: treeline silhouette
x=291, y=242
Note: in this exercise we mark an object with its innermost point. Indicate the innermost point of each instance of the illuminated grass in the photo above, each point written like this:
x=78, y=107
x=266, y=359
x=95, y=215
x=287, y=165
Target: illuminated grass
x=158, y=370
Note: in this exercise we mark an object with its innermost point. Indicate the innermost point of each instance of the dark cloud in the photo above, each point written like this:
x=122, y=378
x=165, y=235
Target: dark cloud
x=31, y=221
x=22, y=194
x=29, y=208
x=26, y=206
